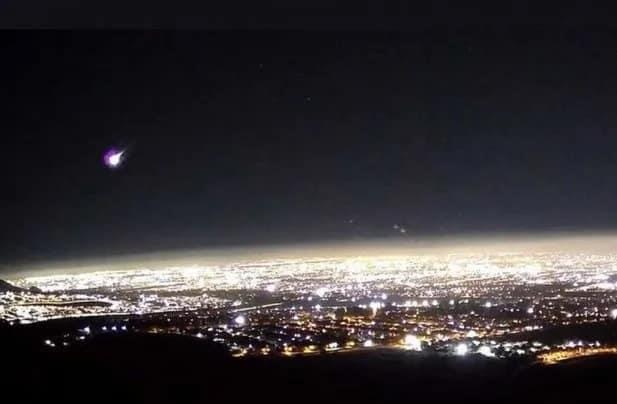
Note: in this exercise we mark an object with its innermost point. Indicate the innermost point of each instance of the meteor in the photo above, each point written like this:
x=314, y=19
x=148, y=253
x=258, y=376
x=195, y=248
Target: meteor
x=113, y=158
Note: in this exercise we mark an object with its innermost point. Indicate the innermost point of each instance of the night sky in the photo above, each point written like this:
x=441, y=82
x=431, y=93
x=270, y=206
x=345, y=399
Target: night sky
x=258, y=138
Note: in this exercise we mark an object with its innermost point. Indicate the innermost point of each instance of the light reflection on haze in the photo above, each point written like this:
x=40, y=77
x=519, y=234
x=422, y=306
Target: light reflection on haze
x=495, y=244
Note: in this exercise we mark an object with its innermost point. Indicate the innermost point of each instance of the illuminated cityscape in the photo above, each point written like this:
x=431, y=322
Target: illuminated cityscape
x=493, y=305
x=321, y=202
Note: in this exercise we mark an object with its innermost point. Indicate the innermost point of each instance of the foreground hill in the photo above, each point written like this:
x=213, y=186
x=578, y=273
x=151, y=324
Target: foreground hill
x=170, y=369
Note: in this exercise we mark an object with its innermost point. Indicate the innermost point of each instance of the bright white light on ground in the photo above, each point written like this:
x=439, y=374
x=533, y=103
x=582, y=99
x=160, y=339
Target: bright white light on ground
x=472, y=334
x=461, y=349
x=375, y=306
x=486, y=351
x=614, y=314
x=368, y=343
x=240, y=320
x=488, y=305
x=412, y=342
x=321, y=292
x=271, y=288
x=530, y=310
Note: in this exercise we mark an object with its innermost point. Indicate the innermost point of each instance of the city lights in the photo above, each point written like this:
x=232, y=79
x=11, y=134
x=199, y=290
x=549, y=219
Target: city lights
x=485, y=351
x=240, y=321
x=461, y=349
x=413, y=343
x=428, y=303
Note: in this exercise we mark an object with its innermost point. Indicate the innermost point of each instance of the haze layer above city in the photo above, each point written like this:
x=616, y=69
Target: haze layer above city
x=591, y=243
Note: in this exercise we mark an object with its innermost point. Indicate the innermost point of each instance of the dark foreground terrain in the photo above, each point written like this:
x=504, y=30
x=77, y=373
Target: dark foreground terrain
x=160, y=369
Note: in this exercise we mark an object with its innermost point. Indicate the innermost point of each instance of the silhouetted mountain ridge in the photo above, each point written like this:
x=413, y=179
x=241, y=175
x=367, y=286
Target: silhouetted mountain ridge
x=8, y=287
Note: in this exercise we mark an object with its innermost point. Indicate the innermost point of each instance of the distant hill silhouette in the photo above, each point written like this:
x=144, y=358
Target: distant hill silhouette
x=7, y=287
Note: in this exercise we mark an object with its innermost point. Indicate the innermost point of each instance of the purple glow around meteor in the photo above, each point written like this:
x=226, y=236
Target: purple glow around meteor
x=113, y=158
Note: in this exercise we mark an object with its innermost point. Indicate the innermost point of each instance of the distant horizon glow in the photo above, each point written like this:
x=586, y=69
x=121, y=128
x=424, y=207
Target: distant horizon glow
x=598, y=243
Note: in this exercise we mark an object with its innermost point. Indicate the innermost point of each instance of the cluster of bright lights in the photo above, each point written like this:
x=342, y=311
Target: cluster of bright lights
x=464, y=304
x=560, y=355
x=461, y=349
x=240, y=320
x=413, y=343
x=486, y=351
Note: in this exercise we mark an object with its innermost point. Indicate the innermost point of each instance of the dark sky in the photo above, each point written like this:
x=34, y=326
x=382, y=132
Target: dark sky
x=253, y=137
x=299, y=14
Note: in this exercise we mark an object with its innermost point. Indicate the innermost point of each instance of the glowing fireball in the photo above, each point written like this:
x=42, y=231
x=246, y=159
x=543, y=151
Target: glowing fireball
x=113, y=158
